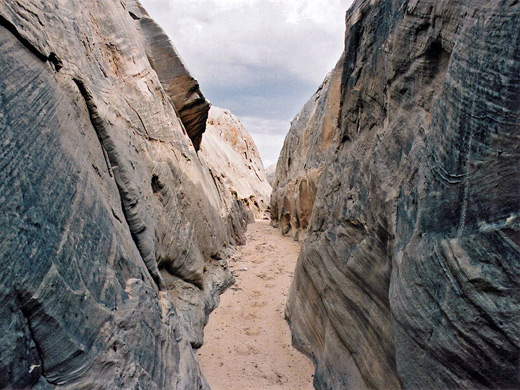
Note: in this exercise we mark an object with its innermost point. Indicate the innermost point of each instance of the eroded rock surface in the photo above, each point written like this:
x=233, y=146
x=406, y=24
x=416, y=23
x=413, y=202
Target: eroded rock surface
x=235, y=165
x=113, y=234
x=409, y=273
x=270, y=173
x=192, y=107
x=307, y=148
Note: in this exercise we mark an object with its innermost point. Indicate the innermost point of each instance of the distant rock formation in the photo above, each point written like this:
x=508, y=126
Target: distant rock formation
x=409, y=272
x=235, y=166
x=113, y=232
x=270, y=173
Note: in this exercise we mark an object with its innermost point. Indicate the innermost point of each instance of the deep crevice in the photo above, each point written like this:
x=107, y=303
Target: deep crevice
x=52, y=58
x=57, y=62
x=24, y=41
x=156, y=184
x=127, y=201
x=134, y=16
x=36, y=345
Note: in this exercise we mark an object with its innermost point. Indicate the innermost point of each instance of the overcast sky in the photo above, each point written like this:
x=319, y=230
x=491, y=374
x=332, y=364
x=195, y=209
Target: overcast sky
x=261, y=59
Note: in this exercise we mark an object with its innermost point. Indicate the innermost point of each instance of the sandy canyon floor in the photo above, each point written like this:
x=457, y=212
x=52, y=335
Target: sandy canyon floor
x=247, y=343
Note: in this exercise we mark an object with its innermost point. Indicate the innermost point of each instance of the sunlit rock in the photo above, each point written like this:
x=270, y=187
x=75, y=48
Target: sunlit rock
x=235, y=164
x=306, y=149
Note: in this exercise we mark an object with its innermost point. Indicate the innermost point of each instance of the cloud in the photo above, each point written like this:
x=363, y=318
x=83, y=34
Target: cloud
x=264, y=126
x=270, y=94
x=259, y=58
x=269, y=147
x=221, y=39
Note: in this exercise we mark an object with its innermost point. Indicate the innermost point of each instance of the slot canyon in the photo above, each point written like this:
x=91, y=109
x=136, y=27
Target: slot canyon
x=144, y=245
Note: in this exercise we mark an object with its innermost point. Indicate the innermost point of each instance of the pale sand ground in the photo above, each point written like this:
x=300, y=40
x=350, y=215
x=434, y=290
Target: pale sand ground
x=247, y=343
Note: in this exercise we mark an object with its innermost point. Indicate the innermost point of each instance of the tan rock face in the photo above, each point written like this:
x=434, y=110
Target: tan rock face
x=270, y=174
x=306, y=149
x=408, y=275
x=235, y=164
x=192, y=107
x=113, y=235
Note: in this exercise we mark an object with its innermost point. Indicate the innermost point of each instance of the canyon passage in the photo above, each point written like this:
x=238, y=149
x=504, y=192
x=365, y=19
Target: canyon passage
x=125, y=198
x=247, y=342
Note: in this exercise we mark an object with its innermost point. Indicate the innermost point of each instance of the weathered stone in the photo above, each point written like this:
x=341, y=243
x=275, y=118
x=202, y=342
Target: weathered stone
x=270, y=174
x=235, y=164
x=306, y=148
x=113, y=236
x=409, y=273
x=230, y=156
x=192, y=107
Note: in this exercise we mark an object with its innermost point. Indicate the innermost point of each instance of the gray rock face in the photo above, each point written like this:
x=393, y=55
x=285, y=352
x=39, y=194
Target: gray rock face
x=409, y=273
x=113, y=234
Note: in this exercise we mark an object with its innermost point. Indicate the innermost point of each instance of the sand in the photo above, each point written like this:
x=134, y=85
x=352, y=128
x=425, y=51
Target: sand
x=247, y=342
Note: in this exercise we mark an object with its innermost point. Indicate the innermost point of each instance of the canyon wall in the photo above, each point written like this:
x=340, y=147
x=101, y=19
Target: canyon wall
x=306, y=149
x=235, y=164
x=409, y=273
x=113, y=232
x=270, y=173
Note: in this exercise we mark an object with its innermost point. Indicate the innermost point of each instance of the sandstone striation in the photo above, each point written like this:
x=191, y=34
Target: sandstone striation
x=192, y=107
x=235, y=166
x=306, y=149
x=113, y=234
x=409, y=273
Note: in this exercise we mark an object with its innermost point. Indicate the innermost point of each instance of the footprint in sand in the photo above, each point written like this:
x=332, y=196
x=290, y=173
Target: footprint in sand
x=250, y=332
x=250, y=317
x=264, y=276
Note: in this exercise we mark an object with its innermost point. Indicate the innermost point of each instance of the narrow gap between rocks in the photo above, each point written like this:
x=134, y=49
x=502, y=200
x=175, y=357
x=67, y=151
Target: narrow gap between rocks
x=247, y=342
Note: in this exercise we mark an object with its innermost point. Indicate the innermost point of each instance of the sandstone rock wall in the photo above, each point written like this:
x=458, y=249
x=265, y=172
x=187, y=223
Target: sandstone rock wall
x=270, y=173
x=181, y=87
x=113, y=235
x=409, y=274
x=235, y=165
x=307, y=148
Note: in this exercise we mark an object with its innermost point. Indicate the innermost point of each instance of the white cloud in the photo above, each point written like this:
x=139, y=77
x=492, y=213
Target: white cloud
x=264, y=126
x=220, y=39
x=259, y=58
x=269, y=147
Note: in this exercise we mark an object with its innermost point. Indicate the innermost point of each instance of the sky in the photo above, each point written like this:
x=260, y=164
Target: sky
x=261, y=59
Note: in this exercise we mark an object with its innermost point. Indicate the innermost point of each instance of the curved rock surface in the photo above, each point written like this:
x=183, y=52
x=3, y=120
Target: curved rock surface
x=192, y=107
x=270, y=174
x=307, y=147
x=113, y=235
x=235, y=165
x=409, y=273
